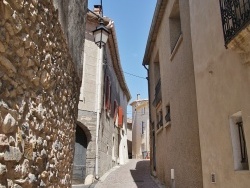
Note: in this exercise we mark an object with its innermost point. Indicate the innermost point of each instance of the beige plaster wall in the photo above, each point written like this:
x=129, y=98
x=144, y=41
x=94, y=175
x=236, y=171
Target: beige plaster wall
x=39, y=90
x=222, y=85
x=177, y=145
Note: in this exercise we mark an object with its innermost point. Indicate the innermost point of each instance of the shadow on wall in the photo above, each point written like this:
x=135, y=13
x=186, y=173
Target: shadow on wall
x=141, y=175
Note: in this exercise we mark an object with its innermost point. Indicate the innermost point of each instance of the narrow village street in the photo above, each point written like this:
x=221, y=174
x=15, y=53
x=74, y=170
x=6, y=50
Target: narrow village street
x=134, y=174
x=124, y=95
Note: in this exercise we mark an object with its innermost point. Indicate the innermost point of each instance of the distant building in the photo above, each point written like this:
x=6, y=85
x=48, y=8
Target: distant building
x=198, y=61
x=129, y=136
x=140, y=129
x=101, y=139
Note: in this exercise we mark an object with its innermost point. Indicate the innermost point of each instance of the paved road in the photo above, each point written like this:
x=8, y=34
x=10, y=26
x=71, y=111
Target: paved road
x=134, y=174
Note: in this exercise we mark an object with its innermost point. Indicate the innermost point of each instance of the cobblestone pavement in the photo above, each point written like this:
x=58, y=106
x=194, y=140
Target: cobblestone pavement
x=134, y=174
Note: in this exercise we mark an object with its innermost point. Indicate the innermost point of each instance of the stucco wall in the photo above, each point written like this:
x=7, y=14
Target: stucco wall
x=177, y=145
x=39, y=93
x=72, y=16
x=222, y=85
x=140, y=142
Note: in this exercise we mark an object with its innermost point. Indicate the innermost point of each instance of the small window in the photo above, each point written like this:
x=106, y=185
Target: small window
x=243, y=149
x=142, y=127
x=175, y=25
x=107, y=149
x=159, y=119
x=238, y=142
x=143, y=110
x=167, y=117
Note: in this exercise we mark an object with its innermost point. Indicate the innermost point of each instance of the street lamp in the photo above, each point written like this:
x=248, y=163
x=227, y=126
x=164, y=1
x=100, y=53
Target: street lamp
x=101, y=32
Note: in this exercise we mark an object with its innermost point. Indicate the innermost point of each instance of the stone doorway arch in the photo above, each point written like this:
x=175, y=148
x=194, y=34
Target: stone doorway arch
x=82, y=138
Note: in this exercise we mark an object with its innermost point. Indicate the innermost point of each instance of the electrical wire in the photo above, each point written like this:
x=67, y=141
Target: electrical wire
x=126, y=72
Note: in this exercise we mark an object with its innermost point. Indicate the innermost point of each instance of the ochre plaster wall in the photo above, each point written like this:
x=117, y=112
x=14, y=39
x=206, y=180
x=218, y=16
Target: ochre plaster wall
x=222, y=85
x=177, y=145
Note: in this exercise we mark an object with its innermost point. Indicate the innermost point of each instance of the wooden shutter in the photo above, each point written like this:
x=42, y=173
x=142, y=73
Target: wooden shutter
x=120, y=120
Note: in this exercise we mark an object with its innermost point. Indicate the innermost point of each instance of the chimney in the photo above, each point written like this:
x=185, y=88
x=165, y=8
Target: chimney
x=138, y=96
x=98, y=9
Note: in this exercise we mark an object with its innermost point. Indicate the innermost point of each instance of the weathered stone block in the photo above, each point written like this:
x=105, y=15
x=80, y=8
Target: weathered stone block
x=9, y=124
x=3, y=169
x=2, y=48
x=12, y=154
x=4, y=140
x=7, y=64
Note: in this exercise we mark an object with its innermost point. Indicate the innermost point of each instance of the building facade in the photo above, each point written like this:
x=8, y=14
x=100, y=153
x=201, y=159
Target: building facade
x=140, y=129
x=39, y=92
x=197, y=58
x=102, y=108
x=222, y=69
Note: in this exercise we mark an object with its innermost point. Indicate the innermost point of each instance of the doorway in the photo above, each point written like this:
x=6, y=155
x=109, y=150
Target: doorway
x=79, y=166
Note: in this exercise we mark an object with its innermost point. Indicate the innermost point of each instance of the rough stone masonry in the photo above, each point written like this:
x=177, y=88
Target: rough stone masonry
x=39, y=93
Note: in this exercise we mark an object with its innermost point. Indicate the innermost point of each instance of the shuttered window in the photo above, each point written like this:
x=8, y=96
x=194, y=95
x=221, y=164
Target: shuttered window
x=120, y=114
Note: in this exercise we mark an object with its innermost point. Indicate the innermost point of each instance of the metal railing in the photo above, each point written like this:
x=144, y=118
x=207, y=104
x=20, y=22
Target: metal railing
x=157, y=93
x=167, y=116
x=160, y=123
x=235, y=15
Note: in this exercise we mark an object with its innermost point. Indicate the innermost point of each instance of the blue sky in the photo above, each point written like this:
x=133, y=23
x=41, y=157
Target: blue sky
x=132, y=20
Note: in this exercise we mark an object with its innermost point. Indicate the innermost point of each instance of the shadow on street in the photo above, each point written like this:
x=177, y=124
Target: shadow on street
x=141, y=174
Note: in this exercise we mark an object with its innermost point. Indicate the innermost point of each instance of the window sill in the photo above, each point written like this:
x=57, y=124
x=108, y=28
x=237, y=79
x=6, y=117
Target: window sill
x=167, y=124
x=176, y=47
x=159, y=130
x=242, y=171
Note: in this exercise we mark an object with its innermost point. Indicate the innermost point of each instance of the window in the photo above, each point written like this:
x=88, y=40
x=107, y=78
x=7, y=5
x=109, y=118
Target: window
x=143, y=110
x=142, y=127
x=120, y=118
x=243, y=149
x=159, y=119
x=107, y=93
x=238, y=142
x=175, y=25
x=167, y=117
x=156, y=72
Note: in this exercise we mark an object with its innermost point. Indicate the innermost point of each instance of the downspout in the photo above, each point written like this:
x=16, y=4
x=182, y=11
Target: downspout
x=98, y=112
x=149, y=106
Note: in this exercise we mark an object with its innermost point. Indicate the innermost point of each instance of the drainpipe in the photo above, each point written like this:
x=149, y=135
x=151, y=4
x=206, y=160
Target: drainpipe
x=149, y=103
x=98, y=112
x=149, y=106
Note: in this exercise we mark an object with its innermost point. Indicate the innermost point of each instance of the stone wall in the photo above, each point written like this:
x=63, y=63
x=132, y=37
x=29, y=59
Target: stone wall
x=39, y=93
